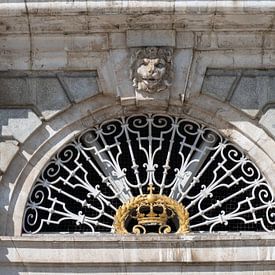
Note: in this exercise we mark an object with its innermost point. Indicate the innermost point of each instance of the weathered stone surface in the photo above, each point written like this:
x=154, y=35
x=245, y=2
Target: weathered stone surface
x=247, y=90
x=268, y=121
x=55, y=252
x=86, y=60
x=120, y=61
x=51, y=50
x=268, y=57
x=151, y=101
x=269, y=41
x=233, y=40
x=185, y=39
x=49, y=60
x=15, y=61
x=18, y=123
x=204, y=40
x=254, y=92
x=19, y=25
x=7, y=151
x=80, y=86
x=265, y=88
x=29, y=88
x=139, y=38
x=14, y=52
x=51, y=98
x=120, y=15
x=207, y=104
x=62, y=24
x=233, y=21
x=53, y=43
x=228, y=40
x=243, y=142
x=246, y=97
x=14, y=91
x=181, y=65
x=106, y=75
x=95, y=42
x=263, y=157
x=15, y=43
x=117, y=40
x=247, y=58
x=248, y=128
x=266, y=143
x=218, y=86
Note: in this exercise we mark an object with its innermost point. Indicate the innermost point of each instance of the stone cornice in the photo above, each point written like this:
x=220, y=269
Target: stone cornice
x=99, y=16
x=128, y=7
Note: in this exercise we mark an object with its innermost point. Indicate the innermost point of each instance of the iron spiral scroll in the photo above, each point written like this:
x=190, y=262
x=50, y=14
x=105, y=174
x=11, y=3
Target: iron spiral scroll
x=91, y=177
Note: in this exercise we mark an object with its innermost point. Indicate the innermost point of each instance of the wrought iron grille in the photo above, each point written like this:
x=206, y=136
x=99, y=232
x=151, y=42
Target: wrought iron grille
x=82, y=186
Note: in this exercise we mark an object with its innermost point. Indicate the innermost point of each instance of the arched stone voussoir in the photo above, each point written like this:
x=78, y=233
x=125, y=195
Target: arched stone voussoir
x=52, y=135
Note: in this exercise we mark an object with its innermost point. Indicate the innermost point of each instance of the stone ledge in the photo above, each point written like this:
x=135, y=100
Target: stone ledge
x=104, y=249
x=67, y=17
x=128, y=6
x=225, y=236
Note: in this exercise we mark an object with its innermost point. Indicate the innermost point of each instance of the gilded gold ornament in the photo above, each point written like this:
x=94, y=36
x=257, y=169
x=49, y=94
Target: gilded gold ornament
x=151, y=210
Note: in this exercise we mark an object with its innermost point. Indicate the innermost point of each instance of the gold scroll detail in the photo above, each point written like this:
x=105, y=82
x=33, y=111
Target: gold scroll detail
x=151, y=209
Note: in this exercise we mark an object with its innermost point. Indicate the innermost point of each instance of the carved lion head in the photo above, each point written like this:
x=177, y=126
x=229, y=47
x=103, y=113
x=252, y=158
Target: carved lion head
x=151, y=69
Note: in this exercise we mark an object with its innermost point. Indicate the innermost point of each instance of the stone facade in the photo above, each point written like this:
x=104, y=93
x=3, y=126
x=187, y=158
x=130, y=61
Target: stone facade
x=65, y=67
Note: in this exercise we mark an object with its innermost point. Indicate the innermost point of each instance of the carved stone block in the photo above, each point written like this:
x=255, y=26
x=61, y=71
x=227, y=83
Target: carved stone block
x=151, y=69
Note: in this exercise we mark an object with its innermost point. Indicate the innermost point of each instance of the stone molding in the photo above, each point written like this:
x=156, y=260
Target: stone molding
x=100, y=17
x=128, y=6
x=54, y=253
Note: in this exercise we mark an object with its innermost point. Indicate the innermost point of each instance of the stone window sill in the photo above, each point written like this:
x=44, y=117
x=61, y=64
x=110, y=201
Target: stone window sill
x=153, y=249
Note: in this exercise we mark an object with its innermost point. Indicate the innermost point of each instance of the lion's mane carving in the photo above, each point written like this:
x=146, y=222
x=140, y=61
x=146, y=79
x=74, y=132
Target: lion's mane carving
x=151, y=69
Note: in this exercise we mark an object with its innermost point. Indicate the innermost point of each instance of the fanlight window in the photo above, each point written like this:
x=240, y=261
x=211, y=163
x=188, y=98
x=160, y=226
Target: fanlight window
x=150, y=173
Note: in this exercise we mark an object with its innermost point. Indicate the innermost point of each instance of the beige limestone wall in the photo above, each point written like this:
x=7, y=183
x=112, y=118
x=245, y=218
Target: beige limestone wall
x=65, y=67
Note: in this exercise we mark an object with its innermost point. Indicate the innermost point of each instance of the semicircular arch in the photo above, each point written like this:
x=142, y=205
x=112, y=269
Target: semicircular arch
x=38, y=149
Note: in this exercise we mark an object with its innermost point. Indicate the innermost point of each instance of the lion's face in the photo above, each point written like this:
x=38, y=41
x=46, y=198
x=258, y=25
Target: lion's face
x=150, y=73
x=151, y=69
